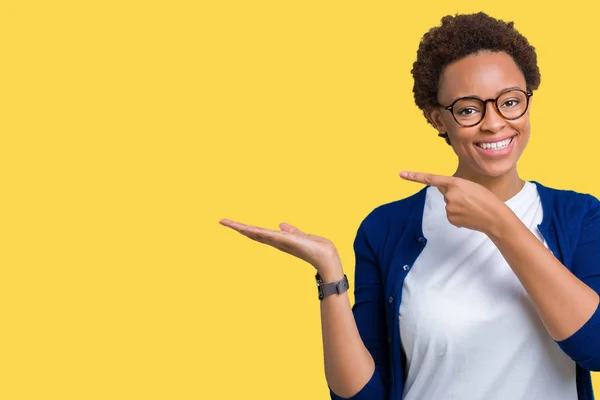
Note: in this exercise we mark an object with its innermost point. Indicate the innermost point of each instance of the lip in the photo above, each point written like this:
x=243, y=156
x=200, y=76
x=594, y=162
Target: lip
x=494, y=140
x=496, y=153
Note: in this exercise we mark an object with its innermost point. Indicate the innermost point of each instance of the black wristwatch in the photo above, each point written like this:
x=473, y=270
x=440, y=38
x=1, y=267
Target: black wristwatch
x=337, y=287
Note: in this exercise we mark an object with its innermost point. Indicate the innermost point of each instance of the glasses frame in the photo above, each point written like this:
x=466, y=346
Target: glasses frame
x=528, y=93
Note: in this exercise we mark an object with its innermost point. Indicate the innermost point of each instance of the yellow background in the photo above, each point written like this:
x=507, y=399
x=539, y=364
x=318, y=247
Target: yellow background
x=130, y=128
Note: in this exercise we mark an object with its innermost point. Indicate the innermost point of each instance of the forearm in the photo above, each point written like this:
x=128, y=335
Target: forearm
x=348, y=363
x=563, y=302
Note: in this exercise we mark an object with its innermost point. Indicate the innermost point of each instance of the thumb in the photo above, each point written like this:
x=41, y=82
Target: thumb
x=290, y=228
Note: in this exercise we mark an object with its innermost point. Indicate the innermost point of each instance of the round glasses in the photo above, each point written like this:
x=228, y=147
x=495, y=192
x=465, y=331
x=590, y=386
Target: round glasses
x=469, y=111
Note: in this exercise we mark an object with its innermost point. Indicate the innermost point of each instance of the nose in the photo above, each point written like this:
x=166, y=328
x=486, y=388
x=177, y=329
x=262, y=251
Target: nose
x=492, y=121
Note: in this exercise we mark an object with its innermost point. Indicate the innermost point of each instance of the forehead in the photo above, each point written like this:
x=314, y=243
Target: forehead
x=484, y=74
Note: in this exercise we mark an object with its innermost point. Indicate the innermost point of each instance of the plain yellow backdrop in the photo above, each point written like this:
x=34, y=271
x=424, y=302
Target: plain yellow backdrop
x=130, y=128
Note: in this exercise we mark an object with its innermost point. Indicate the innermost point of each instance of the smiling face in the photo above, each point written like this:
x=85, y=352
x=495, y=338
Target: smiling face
x=484, y=75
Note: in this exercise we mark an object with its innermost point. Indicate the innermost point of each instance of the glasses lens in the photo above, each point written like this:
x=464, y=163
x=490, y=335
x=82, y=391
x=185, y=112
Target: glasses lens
x=512, y=104
x=468, y=111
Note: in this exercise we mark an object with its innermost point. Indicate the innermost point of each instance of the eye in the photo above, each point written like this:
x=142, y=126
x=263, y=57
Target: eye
x=466, y=112
x=510, y=103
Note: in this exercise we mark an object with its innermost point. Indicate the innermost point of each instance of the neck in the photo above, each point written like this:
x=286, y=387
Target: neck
x=504, y=187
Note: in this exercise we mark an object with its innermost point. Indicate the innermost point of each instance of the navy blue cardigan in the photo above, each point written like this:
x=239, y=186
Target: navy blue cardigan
x=389, y=240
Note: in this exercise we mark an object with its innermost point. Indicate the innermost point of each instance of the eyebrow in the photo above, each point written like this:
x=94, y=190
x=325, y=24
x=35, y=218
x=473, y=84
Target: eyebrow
x=508, y=89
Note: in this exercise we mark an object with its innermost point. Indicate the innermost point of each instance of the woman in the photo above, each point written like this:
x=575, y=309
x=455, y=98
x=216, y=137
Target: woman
x=481, y=285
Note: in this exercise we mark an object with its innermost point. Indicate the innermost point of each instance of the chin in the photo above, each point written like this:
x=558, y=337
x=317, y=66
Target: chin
x=498, y=169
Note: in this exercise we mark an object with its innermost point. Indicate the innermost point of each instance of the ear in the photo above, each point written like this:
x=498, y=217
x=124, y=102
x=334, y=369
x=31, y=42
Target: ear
x=434, y=115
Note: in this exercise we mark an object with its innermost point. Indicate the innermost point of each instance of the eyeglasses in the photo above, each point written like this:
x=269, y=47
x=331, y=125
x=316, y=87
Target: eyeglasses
x=469, y=111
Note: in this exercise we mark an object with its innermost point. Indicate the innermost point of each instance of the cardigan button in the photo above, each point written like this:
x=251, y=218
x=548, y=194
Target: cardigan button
x=406, y=268
x=422, y=240
x=391, y=299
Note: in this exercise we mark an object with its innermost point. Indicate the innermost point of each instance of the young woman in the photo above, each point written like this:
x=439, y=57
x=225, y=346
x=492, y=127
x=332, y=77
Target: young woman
x=481, y=285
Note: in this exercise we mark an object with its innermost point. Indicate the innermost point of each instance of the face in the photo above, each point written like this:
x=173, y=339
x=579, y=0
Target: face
x=484, y=75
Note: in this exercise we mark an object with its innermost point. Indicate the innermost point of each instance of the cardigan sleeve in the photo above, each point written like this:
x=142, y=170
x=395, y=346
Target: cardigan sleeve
x=584, y=345
x=369, y=314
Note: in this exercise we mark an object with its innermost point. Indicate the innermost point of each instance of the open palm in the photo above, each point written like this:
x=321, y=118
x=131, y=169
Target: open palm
x=316, y=250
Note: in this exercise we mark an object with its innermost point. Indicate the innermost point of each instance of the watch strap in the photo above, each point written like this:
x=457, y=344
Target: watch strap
x=337, y=287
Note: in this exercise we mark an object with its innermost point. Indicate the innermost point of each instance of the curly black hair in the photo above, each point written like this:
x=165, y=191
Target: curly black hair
x=462, y=35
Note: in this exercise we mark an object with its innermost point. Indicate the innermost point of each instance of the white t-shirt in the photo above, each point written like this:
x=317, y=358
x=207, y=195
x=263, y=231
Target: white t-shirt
x=468, y=328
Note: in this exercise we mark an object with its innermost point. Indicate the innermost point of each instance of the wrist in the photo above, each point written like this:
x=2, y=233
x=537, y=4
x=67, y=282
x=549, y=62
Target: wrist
x=331, y=270
x=501, y=225
x=331, y=275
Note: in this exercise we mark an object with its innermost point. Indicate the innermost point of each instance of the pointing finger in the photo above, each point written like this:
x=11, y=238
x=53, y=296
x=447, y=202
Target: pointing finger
x=428, y=179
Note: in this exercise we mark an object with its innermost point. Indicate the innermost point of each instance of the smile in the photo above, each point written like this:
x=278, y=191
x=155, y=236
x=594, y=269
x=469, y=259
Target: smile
x=498, y=149
x=496, y=145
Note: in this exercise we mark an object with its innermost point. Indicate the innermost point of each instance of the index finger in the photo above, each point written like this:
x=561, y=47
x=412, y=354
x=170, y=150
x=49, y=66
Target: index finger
x=428, y=179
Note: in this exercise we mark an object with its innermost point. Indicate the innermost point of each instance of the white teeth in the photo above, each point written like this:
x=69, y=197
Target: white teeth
x=497, y=145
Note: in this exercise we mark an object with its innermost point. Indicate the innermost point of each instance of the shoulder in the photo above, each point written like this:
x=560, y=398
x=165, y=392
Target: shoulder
x=568, y=203
x=395, y=213
x=385, y=224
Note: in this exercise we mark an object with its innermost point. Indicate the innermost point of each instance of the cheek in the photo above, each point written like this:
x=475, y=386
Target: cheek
x=461, y=140
x=462, y=135
x=521, y=126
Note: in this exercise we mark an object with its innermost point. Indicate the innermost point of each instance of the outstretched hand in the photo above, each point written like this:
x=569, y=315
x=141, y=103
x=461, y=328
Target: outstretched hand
x=318, y=251
x=468, y=204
